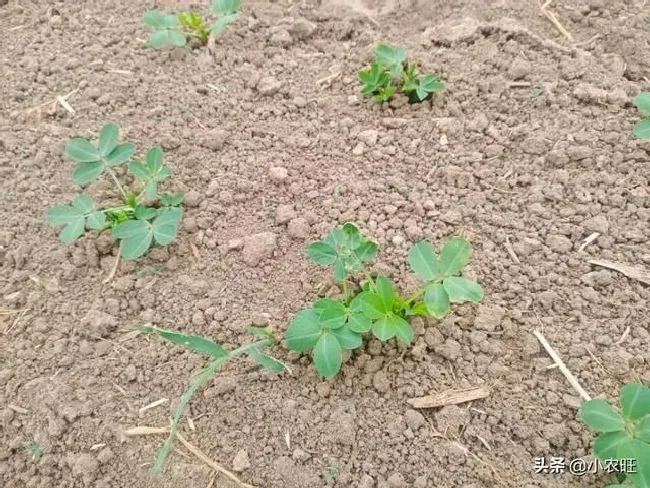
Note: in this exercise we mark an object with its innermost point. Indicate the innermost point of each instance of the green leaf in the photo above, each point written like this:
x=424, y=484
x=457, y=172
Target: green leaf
x=635, y=401
x=81, y=151
x=328, y=355
x=385, y=94
x=373, y=306
x=165, y=227
x=304, y=331
x=151, y=172
x=139, y=170
x=403, y=330
x=642, y=129
x=340, y=271
x=461, y=289
x=96, y=220
x=155, y=157
x=352, y=239
x=321, y=253
x=386, y=291
x=72, y=220
x=220, y=25
x=225, y=7
x=606, y=445
x=136, y=237
x=157, y=20
x=367, y=251
x=84, y=204
x=454, y=256
x=642, y=102
x=643, y=429
x=144, y=213
x=122, y=153
x=332, y=313
x=359, y=323
x=87, y=172
x=423, y=260
x=392, y=57
x=601, y=416
x=383, y=329
x=436, y=300
x=192, y=342
x=267, y=362
x=108, y=137
x=431, y=83
x=177, y=199
x=639, y=451
x=356, y=304
x=347, y=338
x=167, y=38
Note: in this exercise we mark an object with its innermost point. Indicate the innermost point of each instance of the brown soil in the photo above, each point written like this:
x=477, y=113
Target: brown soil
x=530, y=146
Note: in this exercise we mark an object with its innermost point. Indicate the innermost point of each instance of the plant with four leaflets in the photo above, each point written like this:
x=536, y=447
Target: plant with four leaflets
x=623, y=436
x=373, y=305
x=142, y=218
x=219, y=356
x=169, y=30
x=642, y=127
x=391, y=70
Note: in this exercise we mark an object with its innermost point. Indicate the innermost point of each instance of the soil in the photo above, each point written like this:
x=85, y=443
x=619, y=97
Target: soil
x=527, y=153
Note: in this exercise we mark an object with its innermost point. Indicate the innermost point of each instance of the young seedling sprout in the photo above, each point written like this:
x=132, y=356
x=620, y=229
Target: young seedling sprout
x=391, y=70
x=624, y=436
x=219, y=356
x=642, y=127
x=142, y=216
x=333, y=325
x=169, y=30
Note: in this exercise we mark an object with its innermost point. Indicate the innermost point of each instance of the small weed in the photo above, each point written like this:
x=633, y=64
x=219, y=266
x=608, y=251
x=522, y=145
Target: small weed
x=331, y=473
x=142, y=218
x=34, y=450
x=391, y=70
x=333, y=325
x=623, y=436
x=642, y=127
x=169, y=30
x=219, y=356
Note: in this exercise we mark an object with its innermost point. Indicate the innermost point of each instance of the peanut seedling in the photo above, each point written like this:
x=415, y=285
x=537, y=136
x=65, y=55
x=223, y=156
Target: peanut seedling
x=169, y=30
x=219, y=356
x=642, y=127
x=390, y=71
x=143, y=217
x=373, y=305
x=623, y=436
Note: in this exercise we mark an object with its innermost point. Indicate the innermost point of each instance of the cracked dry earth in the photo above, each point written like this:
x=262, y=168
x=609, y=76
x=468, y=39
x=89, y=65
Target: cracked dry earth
x=528, y=153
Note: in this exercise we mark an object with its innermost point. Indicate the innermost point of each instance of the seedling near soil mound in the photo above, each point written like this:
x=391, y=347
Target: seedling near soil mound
x=218, y=358
x=169, y=30
x=144, y=217
x=332, y=325
x=623, y=436
x=642, y=127
x=391, y=70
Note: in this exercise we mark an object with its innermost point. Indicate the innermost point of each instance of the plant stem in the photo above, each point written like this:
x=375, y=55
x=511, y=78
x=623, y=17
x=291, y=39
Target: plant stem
x=197, y=382
x=346, y=290
x=117, y=183
x=416, y=295
x=117, y=209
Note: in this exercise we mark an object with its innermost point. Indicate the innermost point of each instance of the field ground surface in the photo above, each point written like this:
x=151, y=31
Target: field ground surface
x=528, y=153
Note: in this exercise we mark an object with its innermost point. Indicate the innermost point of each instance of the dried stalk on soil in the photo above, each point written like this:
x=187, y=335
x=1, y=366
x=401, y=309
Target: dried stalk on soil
x=634, y=272
x=147, y=430
x=553, y=19
x=449, y=397
x=561, y=366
